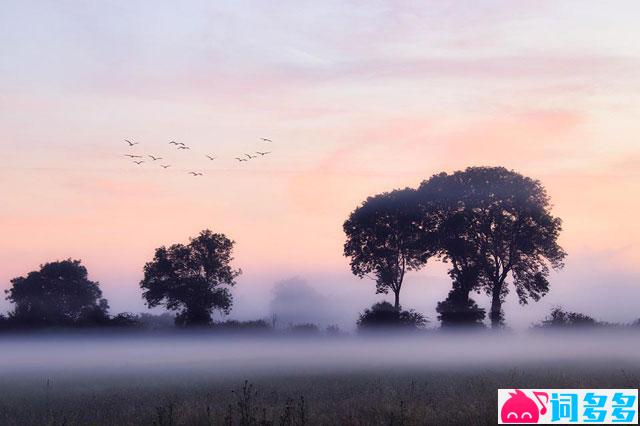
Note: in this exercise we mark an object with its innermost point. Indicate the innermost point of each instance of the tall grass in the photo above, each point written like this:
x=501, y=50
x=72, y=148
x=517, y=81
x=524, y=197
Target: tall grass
x=394, y=397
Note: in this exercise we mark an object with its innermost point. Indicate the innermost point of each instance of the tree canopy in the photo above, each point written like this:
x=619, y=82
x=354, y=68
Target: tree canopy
x=385, y=240
x=498, y=223
x=493, y=226
x=59, y=294
x=193, y=279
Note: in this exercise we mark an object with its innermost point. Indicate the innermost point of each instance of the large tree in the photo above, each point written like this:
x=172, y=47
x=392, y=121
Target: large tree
x=508, y=231
x=385, y=240
x=193, y=279
x=59, y=294
x=440, y=201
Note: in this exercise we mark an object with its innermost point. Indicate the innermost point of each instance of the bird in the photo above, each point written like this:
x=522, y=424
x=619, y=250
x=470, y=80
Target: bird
x=131, y=143
x=251, y=156
x=155, y=158
x=263, y=153
x=165, y=166
x=133, y=156
x=183, y=147
x=266, y=140
x=211, y=158
x=173, y=143
x=138, y=162
x=241, y=159
x=195, y=173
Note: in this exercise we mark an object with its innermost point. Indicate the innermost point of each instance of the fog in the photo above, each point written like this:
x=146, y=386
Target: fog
x=235, y=355
x=584, y=286
x=296, y=302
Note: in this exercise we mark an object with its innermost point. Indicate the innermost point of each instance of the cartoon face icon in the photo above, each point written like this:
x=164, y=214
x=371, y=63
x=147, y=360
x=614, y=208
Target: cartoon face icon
x=519, y=408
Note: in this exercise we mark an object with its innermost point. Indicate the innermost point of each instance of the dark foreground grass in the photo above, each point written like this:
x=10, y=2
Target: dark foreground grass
x=365, y=397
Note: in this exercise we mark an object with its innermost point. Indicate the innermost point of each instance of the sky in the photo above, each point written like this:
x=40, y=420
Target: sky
x=358, y=98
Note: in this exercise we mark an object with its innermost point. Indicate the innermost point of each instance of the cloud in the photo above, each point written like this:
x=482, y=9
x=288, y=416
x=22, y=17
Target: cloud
x=399, y=152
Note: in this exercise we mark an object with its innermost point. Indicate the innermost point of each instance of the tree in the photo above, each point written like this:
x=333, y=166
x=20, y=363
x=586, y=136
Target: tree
x=193, y=279
x=439, y=199
x=59, y=294
x=506, y=231
x=384, y=315
x=385, y=239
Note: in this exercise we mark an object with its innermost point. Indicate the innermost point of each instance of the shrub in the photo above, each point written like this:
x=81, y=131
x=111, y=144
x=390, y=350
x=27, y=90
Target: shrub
x=125, y=319
x=561, y=318
x=459, y=310
x=253, y=325
x=155, y=322
x=384, y=315
x=304, y=329
x=335, y=331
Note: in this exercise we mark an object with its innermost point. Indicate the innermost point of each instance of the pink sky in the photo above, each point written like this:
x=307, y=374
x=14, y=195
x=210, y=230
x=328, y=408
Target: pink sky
x=358, y=99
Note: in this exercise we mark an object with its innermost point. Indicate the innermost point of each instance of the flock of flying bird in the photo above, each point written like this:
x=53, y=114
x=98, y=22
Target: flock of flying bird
x=139, y=159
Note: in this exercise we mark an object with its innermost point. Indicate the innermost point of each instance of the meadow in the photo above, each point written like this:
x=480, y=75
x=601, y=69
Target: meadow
x=200, y=380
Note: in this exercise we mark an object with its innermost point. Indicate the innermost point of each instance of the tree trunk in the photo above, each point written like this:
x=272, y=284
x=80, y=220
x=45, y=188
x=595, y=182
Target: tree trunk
x=463, y=293
x=194, y=316
x=397, y=294
x=496, y=307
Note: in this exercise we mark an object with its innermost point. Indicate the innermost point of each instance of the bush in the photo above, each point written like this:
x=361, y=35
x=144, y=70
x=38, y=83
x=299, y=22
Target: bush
x=5, y=323
x=125, y=319
x=335, y=331
x=304, y=329
x=459, y=310
x=253, y=325
x=561, y=318
x=156, y=322
x=384, y=315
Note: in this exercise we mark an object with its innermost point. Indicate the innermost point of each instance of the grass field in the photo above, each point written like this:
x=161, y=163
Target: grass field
x=378, y=393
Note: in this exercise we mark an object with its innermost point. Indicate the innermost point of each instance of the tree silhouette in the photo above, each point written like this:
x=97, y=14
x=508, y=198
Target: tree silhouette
x=59, y=294
x=440, y=200
x=193, y=279
x=384, y=238
x=507, y=230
